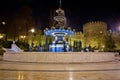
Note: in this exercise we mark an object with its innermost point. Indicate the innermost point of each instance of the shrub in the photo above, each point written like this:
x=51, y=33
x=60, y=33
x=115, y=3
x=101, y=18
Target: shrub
x=5, y=43
x=1, y=52
x=23, y=45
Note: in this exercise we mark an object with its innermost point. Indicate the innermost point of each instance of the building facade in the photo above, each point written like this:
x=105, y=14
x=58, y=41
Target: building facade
x=94, y=34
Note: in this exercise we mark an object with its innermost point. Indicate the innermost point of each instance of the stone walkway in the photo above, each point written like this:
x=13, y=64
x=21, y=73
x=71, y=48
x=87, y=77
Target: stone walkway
x=66, y=71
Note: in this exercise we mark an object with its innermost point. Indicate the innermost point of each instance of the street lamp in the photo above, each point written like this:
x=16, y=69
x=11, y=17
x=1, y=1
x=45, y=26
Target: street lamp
x=32, y=30
x=1, y=36
x=3, y=23
x=23, y=37
x=5, y=29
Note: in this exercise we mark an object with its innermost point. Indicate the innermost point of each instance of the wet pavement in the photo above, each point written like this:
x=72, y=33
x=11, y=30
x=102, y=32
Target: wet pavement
x=60, y=71
x=36, y=75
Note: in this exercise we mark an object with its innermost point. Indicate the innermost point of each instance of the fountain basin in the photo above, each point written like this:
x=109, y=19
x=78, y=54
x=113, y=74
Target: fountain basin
x=59, y=57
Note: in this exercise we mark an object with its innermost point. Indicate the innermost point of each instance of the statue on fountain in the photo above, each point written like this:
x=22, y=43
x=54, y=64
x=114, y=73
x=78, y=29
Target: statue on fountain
x=59, y=32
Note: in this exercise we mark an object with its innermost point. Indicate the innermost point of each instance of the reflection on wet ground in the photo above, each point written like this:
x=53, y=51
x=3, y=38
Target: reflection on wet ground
x=31, y=75
x=40, y=71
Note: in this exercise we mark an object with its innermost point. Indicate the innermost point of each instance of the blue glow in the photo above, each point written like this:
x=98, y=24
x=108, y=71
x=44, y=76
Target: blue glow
x=60, y=31
x=59, y=45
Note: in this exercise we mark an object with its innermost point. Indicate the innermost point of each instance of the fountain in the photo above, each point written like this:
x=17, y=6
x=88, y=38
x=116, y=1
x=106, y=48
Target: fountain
x=58, y=33
x=59, y=48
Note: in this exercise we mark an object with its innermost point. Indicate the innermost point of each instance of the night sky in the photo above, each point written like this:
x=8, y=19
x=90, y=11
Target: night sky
x=77, y=12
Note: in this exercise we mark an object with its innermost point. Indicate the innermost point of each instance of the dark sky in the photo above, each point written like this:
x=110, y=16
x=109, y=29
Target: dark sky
x=77, y=12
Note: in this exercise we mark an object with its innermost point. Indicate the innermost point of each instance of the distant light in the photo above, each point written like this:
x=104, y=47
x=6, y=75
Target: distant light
x=22, y=36
x=103, y=46
x=119, y=28
x=1, y=36
x=32, y=30
x=3, y=23
x=101, y=32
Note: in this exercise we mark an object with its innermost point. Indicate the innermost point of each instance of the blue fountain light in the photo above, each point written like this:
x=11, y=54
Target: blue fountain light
x=59, y=31
x=59, y=44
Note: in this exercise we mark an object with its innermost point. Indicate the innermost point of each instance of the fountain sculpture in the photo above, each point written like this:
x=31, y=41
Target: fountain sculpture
x=58, y=33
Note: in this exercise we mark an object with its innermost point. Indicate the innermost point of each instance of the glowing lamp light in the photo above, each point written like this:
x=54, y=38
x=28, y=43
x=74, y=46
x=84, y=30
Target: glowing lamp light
x=1, y=36
x=3, y=23
x=22, y=37
x=32, y=30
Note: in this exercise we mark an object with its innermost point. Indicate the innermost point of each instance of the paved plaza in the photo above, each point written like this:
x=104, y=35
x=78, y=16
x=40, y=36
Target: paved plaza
x=60, y=71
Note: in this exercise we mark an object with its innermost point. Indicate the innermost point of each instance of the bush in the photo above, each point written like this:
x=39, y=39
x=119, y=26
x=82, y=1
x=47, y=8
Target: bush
x=5, y=43
x=1, y=52
x=23, y=45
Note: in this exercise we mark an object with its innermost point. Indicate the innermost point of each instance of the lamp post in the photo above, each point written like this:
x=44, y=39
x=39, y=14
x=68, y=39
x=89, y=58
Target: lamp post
x=4, y=25
x=32, y=31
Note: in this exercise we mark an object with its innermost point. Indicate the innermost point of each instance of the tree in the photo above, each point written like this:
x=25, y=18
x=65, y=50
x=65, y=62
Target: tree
x=38, y=37
x=21, y=22
x=109, y=43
